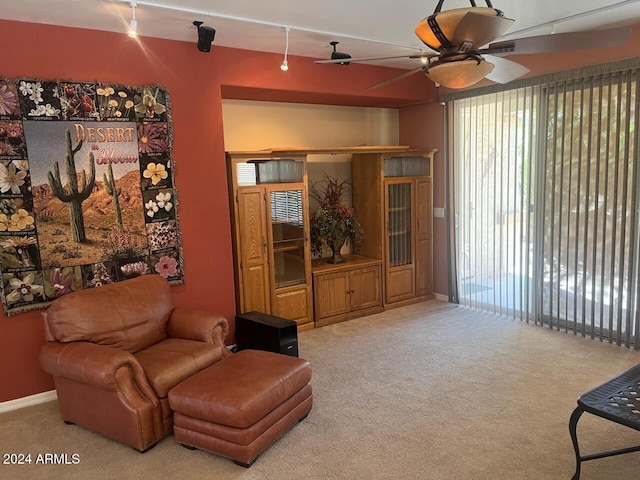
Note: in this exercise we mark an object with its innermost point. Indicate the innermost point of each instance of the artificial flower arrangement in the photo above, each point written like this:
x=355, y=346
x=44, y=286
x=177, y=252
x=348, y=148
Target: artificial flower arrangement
x=332, y=222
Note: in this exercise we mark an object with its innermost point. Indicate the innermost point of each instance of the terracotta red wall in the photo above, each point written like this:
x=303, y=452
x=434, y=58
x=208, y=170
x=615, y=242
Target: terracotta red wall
x=422, y=126
x=196, y=82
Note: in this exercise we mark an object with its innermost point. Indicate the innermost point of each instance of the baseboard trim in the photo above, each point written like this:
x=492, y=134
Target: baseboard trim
x=442, y=297
x=28, y=401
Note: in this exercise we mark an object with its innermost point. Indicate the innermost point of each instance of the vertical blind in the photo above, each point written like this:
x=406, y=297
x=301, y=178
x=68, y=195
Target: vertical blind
x=546, y=203
x=495, y=146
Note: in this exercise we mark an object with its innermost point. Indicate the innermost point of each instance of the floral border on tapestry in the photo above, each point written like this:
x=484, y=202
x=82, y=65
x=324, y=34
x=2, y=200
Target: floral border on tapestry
x=87, y=192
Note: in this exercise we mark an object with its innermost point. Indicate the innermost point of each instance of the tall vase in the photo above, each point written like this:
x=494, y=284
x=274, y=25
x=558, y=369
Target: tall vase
x=335, y=244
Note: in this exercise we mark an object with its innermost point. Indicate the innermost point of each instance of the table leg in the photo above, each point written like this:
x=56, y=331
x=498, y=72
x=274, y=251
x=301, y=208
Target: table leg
x=573, y=423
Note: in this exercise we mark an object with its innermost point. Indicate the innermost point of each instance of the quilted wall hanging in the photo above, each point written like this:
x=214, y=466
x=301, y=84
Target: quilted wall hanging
x=87, y=192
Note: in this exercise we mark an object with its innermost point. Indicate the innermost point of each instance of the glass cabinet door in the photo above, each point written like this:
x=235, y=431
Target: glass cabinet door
x=399, y=224
x=287, y=230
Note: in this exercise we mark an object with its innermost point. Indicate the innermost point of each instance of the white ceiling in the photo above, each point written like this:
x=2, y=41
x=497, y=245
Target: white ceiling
x=364, y=28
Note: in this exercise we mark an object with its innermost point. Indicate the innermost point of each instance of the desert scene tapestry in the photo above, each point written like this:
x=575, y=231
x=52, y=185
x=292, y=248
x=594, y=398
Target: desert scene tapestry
x=86, y=188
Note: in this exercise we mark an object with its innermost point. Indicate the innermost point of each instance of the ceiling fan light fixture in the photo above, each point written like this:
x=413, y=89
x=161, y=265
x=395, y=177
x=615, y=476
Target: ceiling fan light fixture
x=437, y=30
x=459, y=74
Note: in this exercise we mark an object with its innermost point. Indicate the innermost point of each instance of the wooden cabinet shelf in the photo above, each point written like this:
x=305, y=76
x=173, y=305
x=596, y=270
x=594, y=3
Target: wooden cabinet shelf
x=279, y=247
x=398, y=209
x=346, y=290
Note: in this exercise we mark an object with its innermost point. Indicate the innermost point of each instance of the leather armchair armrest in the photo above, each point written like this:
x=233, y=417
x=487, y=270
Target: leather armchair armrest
x=96, y=365
x=200, y=326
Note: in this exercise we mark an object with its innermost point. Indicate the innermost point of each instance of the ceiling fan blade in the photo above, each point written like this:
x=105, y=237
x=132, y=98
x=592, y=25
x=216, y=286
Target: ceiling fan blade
x=560, y=42
x=477, y=30
x=505, y=70
x=388, y=81
x=424, y=55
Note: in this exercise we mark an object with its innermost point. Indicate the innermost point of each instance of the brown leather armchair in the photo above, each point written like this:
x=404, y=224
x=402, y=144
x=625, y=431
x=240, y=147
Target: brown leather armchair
x=116, y=351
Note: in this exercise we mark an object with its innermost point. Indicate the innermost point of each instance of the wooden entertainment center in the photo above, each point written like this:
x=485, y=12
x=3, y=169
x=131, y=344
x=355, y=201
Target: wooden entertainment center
x=274, y=271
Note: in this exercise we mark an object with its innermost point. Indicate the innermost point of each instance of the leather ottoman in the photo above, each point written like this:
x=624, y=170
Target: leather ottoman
x=241, y=405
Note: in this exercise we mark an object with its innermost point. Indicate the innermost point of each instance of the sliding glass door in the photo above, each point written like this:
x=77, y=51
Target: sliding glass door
x=495, y=151
x=590, y=251
x=546, y=201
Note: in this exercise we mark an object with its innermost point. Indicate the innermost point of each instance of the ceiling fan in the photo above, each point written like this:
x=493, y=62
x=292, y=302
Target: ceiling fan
x=458, y=36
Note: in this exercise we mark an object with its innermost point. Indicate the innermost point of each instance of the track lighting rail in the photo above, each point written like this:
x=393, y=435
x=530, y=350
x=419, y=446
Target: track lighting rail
x=208, y=13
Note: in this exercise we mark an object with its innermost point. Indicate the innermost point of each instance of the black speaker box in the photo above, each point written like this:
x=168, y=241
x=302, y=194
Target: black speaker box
x=205, y=38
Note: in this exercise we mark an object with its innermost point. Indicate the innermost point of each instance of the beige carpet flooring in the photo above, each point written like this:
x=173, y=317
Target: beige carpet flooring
x=428, y=391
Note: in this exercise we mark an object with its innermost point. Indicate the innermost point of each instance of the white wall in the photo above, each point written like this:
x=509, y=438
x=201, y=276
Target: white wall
x=250, y=125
